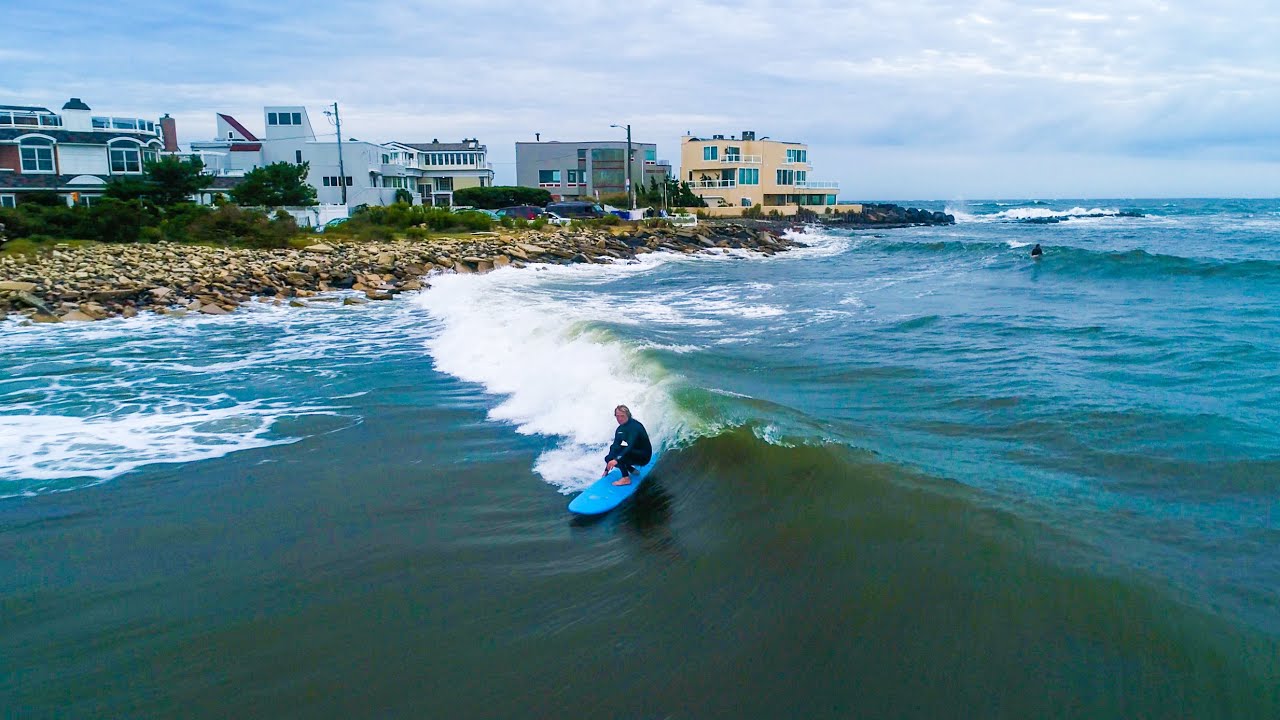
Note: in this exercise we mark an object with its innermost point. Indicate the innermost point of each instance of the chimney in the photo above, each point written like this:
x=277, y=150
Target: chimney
x=748, y=135
x=169, y=132
x=75, y=115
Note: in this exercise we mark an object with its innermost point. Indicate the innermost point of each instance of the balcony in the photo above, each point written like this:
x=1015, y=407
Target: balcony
x=743, y=159
x=707, y=184
x=818, y=184
x=19, y=118
x=127, y=124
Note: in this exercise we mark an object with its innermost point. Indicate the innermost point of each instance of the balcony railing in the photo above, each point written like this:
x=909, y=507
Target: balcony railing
x=11, y=118
x=818, y=184
x=120, y=123
x=702, y=184
x=742, y=159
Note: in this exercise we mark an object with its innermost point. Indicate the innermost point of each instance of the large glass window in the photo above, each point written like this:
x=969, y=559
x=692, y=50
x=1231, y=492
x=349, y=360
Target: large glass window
x=786, y=177
x=297, y=118
x=651, y=156
x=710, y=152
x=8, y=201
x=748, y=176
x=797, y=156
x=444, y=184
x=37, y=156
x=732, y=154
x=125, y=160
x=546, y=177
x=801, y=176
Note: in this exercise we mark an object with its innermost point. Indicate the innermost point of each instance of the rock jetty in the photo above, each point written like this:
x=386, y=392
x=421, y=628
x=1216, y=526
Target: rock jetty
x=884, y=215
x=85, y=283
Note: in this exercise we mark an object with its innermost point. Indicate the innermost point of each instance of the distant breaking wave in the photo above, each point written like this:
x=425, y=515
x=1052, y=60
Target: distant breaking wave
x=1129, y=263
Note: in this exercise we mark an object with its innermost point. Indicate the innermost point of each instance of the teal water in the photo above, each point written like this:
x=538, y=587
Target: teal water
x=906, y=473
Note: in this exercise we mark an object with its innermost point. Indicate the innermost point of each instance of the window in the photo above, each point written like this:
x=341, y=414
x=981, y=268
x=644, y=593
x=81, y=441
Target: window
x=8, y=201
x=297, y=156
x=444, y=184
x=801, y=176
x=582, y=154
x=125, y=160
x=797, y=156
x=733, y=154
x=149, y=155
x=297, y=118
x=548, y=177
x=710, y=152
x=37, y=156
x=787, y=177
x=651, y=156
x=348, y=181
x=573, y=176
x=748, y=176
x=271, y=119
x=386, y=159
x=326, y=181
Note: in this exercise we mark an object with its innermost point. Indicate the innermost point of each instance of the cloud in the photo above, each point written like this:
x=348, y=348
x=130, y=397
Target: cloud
x=991, y=83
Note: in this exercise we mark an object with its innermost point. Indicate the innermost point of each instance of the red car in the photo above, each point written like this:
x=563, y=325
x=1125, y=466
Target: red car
x=527, y=212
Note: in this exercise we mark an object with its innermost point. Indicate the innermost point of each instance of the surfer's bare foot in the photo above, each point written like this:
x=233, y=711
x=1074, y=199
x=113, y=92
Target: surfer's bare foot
x=623, y=481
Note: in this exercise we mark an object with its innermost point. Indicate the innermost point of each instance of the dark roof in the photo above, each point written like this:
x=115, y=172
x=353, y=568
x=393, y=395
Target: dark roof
x=75, y=104
x=437, y=147
x=75, y=137
x=27, y=108
x=15, y=181
x=245, y=147
x=239, y=128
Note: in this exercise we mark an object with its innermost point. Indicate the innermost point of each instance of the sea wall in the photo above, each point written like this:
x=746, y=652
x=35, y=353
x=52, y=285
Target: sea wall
x=85, y=283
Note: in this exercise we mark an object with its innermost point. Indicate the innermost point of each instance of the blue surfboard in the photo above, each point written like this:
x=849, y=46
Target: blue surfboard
x=604, y=496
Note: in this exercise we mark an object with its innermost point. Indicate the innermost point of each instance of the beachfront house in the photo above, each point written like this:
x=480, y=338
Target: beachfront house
x=590, y=169
x=734, y=172
x=73, y=153
x=442, y=167
x=356, y=167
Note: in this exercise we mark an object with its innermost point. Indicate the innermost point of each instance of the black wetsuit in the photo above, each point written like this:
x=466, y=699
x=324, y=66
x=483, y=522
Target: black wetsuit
x=630, y=447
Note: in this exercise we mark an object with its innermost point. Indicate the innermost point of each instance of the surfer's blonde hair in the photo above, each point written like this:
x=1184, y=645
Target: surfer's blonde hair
x=624, y=409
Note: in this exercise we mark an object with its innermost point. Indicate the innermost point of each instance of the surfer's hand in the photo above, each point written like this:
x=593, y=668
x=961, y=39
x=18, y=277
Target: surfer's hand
x=609, y=466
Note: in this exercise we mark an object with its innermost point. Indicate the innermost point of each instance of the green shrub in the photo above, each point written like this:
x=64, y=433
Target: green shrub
x=232, y=225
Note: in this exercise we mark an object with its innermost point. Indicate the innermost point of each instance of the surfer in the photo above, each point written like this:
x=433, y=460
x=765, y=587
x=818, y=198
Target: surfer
x=630, y=446
x=1036, y=252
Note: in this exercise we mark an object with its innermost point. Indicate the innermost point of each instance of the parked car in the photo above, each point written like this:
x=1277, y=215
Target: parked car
x=576, y=209
x=526, y=212
x=332, y=224
x=555, y=219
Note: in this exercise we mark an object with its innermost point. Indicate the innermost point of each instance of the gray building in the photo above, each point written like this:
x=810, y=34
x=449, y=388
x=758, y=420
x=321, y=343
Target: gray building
x=587, y=169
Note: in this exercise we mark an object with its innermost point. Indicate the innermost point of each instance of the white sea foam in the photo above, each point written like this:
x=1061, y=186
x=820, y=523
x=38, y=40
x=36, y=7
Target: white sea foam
x=48, y=448
x=86, y=403
x=558, y=373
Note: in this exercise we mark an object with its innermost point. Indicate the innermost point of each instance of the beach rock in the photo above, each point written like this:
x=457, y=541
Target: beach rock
x=212, y=309
x=16, y=286
x=354, y=301
x=77, y=316
x=30, y=300
x=320, y=248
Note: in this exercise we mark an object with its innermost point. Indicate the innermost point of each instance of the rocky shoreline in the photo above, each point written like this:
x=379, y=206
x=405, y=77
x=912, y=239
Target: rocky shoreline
x=86, y=283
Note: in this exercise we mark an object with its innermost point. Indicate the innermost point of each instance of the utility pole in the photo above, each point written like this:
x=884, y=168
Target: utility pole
x=342, y=171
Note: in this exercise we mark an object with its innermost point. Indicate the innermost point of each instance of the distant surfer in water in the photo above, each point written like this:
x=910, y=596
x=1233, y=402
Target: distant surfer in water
x=1036, y=252
x=630, y=446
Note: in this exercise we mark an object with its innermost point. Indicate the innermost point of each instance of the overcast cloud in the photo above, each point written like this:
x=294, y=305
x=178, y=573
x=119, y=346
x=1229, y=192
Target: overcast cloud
x=897, y=100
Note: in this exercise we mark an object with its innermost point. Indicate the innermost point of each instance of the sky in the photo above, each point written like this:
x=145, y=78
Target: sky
x=897, y=100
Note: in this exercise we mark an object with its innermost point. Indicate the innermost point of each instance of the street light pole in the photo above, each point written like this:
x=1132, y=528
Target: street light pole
x=631, y=190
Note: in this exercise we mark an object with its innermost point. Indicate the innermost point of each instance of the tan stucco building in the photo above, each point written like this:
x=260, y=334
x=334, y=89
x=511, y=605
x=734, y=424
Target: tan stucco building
x=739, y=172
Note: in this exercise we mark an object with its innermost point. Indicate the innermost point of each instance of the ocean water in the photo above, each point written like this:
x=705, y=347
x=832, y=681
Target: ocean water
x=902, y=473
